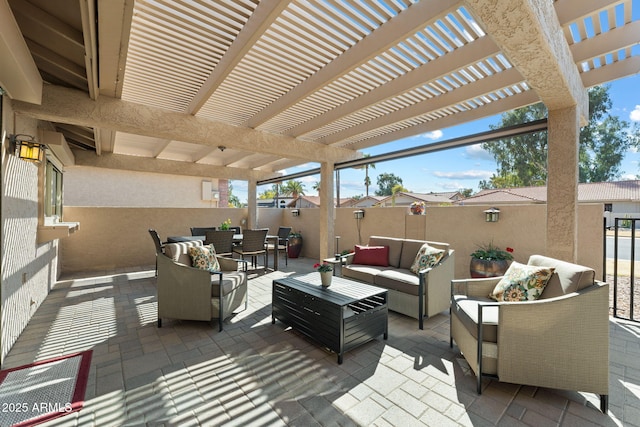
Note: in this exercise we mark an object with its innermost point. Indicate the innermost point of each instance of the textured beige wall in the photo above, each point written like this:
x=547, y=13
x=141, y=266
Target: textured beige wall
x=118, y=237
x=29, y=270
x=88, y=186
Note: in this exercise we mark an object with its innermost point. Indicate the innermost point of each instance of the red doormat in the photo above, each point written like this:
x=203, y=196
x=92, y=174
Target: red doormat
x=35, y=393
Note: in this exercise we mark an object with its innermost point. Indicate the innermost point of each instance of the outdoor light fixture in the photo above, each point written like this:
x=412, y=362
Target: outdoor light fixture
x=26, y=148
x=492, y=215
x=295, y=212
x=359, y=214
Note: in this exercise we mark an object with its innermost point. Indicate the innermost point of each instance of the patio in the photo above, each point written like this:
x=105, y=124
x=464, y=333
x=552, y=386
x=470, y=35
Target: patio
x=256, y=373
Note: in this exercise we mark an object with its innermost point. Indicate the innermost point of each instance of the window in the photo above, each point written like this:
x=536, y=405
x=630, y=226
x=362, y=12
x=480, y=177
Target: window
x=53, y=191
x=608, y=207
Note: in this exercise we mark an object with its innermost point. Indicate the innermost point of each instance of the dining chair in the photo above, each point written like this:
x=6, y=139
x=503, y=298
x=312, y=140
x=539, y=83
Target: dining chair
x=201, y=231
x=222, y=241
x=281, y=245
x=253, y=244
x=159, y=245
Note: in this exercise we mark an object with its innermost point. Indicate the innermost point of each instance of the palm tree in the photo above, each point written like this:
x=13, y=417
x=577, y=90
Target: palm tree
x=293, y=188
x=398, y=188
x=367, y=180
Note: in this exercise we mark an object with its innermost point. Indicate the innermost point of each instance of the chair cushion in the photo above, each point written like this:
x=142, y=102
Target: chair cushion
x=427, y=257
x=179, y=252
x=567, y=277
x=466, y=309
x=371, y=255
x=522, y=283
x=395, y=247
x=204, y=258
x=230, y=282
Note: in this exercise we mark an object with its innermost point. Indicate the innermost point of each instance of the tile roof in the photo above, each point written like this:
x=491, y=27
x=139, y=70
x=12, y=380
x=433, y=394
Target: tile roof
x=587, y=192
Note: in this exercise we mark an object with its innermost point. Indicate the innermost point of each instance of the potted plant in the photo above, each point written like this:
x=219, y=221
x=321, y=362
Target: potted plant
x=490, y=261
x=295, y=244
x=417, y=208
x=326, y=270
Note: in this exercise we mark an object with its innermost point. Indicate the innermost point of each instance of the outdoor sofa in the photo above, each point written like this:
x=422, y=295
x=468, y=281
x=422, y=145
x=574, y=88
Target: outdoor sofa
x=560, y=340
x=417, y=295
x=189, y=293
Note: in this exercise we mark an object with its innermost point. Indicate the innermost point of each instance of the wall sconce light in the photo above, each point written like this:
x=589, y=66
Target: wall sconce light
x=295, y=212
x=26, y=148
x=492, y=215
x=359, y=214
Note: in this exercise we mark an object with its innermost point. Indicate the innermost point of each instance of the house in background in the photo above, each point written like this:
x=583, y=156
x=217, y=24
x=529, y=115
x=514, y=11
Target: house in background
x=621, y=199
x=430, y=199
x=365, y=202
x=314, y=202
x=280, y=202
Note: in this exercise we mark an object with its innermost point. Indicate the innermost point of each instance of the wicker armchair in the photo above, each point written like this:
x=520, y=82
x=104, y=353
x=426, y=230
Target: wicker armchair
x=558, y=341
x=253, y=244
x=188, y=293
x=201, y=231
x=159, y=245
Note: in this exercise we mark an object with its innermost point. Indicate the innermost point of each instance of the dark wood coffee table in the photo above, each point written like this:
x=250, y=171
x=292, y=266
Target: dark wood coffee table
x=340, y=317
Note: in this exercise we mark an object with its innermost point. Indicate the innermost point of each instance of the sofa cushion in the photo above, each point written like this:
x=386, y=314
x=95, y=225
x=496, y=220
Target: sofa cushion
x=179, y=251
x=522, y=283
x=371, y=255
x=397, y=279
x=395, y=247
x=410, y=249
x=427, y=257
x=363, y=273
x=466, y=309
x=567, y=277
x=204, y=258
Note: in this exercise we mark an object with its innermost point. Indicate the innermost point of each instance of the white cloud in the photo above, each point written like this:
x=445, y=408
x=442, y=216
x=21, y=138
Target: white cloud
x=635, y=114
x=628, y=177
x=470, y=174
x=476, y=151
x=436, y=134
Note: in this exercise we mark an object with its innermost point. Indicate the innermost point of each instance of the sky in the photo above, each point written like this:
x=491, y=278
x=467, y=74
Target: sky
x=459, y=168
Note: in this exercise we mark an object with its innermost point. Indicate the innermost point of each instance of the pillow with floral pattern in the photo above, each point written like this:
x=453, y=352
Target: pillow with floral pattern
x=204, y=257
x=522, y=283
x=427, y=257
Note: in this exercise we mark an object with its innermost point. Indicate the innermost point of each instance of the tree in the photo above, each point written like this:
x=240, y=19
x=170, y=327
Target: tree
x=522, y=160
x=398, y=188
x=267, y=194
x=367, y=180
x=466, y=192
x=292, y=188
x=232, y=200
x=386, y=182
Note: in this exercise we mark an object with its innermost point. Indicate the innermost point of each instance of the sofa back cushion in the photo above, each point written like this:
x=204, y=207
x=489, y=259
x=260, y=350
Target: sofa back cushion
x=179, y=252
x=395, y=248
x=371, y=255
x=567, y=278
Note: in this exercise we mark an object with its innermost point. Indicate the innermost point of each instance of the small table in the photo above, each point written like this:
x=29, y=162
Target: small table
x=341, y=317
x=334, y=262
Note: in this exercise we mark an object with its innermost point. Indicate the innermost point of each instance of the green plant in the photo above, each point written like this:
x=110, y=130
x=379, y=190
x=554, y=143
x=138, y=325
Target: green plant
x=490, y=252
x=294, y=233
x=225, y=224
x=323, y=268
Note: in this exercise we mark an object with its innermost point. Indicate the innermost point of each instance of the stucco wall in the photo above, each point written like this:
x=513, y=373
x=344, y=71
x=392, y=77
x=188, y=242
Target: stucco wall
x=28, y=270
x=125, y=240
x=88, y=186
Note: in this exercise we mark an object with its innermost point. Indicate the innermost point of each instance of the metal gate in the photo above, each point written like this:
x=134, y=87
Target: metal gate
x=624, y=274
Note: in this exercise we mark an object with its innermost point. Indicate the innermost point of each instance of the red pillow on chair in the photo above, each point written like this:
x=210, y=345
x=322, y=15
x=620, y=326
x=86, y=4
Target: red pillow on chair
x=372, y=255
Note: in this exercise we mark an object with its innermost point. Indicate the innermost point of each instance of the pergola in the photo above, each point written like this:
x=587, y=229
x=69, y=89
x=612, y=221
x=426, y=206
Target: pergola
x=160, y=85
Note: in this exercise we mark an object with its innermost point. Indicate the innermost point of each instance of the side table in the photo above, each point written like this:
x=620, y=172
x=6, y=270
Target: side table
x=334, y=262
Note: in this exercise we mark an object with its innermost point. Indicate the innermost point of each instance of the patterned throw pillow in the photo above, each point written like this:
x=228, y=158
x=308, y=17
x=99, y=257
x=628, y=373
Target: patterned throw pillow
x=427, y=257
x=522, y=283
x=204, y=257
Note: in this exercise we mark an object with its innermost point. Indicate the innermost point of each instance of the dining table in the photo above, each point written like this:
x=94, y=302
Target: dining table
x=237, y=239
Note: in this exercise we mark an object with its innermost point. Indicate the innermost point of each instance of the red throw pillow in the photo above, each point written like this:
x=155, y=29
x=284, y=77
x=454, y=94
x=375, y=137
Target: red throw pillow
x=372, y=255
